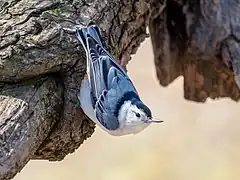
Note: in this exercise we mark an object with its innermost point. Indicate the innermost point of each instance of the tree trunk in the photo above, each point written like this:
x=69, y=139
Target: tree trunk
x=42, y=63
x=199, y=40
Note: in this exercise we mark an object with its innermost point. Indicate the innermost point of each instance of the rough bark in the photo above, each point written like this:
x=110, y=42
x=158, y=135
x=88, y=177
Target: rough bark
x=41, y=68
x=200, y=41
x=42, y=64
x=28, y=112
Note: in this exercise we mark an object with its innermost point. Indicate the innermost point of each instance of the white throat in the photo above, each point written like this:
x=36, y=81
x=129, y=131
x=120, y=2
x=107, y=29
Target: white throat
x=123, y=113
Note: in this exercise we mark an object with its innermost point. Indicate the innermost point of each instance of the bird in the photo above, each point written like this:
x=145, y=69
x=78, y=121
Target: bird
x=107, y=94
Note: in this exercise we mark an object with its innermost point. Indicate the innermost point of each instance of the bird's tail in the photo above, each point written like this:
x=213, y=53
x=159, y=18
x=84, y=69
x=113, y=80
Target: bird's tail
x=89, y=31
x=85, y=35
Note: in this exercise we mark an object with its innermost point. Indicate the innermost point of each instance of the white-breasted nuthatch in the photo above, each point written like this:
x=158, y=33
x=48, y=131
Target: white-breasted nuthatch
x=107, y=95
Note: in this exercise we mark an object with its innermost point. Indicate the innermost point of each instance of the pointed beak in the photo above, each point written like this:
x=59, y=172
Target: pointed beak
x=154, y=121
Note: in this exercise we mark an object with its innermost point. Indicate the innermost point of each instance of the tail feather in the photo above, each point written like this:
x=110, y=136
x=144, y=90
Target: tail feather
x=90, y=31
x=81, y=35
x=95, y=33
x=90, y=39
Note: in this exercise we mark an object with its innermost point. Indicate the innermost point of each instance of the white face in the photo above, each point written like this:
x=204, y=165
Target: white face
x=136, y=116
x=134, y=120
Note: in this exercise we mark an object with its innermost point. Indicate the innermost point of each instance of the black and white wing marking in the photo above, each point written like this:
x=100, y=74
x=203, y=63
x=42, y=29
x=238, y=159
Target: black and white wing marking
x=109, y=86
x=109, y=82
x=118, y=89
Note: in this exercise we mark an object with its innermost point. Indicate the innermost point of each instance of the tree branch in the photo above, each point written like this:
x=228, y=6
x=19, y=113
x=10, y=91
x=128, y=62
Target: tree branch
x=45, y=121
x=42, y=63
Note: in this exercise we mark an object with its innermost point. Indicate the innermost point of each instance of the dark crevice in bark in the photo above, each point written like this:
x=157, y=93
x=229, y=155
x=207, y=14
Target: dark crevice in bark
x=176, y=25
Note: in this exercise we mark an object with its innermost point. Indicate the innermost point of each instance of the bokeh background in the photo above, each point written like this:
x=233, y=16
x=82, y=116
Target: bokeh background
x=196, y=141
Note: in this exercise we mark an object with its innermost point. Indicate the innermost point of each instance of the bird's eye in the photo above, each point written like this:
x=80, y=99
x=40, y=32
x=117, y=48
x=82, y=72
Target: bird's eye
x=137, y=114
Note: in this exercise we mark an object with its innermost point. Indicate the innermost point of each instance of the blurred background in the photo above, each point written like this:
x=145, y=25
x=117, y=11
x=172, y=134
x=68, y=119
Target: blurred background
x=196, y=141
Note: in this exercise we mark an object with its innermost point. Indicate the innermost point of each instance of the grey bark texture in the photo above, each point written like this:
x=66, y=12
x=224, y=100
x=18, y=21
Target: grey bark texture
x=41, y=68
x=42, y=63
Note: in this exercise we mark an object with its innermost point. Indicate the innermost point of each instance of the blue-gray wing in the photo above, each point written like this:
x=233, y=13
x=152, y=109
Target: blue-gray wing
x=108, y=104
x=104, y=113
x=108, y=81
x=101, y=63
x=99, y=59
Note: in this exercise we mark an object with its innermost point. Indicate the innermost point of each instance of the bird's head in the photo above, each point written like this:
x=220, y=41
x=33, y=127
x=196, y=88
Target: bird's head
x=134, y=116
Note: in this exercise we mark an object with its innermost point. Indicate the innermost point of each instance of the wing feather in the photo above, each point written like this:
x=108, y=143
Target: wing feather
x=108, y=80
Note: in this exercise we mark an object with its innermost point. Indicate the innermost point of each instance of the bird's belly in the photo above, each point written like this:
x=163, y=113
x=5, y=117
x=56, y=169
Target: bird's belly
x=129, y=130
x=85, y=100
